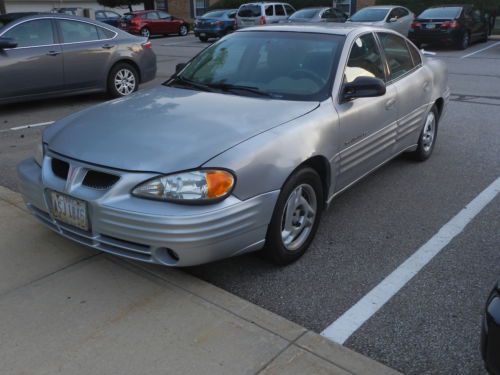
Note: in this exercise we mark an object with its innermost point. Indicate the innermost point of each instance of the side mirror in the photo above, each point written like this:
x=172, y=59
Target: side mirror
x=179, y=67
x=393, y=19
x=363, y=87
x=7, y=43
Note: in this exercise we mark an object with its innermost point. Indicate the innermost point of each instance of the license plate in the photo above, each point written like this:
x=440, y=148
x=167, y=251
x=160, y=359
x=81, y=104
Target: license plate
x=203, y=34
x=70, y=210
x=430, y=26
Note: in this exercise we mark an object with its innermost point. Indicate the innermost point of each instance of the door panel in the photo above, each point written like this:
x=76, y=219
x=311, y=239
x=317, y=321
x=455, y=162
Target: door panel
x=368, y=126
x=36, y=65
x=86, y=60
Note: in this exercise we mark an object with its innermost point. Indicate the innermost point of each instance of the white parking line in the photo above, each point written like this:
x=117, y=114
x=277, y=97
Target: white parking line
x=28, y=126
x=480, y=50
x=340, y=330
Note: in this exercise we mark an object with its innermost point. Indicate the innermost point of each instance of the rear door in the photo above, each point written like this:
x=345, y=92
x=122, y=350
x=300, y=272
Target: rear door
x=279, y=13
x=86, y=52
x=413, y=84
x=368, y=126
x=167, y=25
x=35, y=66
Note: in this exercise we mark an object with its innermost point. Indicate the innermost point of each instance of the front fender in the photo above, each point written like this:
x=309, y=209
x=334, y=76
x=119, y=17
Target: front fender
x=264, y=162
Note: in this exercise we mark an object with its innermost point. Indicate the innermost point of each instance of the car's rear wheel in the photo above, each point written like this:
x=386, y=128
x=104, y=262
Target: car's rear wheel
x=145, y=32
x=428, y=136
x=203, y=39
x=123, y=80
x=295, y=218
x=183, y=30
x=464, y=41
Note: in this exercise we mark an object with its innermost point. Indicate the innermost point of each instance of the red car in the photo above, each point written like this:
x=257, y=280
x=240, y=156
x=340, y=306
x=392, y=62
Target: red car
x=153, y=22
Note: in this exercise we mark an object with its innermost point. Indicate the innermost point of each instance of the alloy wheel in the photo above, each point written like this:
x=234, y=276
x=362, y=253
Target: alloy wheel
x=429, y=132
x=183, y=30
x=125, y=82
x=298, y=217
x=145, y=32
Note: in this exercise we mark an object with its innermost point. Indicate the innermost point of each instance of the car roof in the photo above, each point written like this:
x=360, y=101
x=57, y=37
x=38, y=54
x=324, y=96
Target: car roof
x=321, y=28
x=451, y=6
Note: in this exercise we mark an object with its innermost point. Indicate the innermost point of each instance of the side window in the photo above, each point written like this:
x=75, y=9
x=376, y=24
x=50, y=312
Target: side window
x=99, y=14
x=112, y=15
x=328, y=14
x=105, y=33
x=231, y=15
x=152, y=16
x=364, y=60
x=279, y=10
x=415, y=55
x=75, y=31
x=32, y=33
x=269, y=10
x=403, y=12
x=393, y=14
x=289, y=10
x=164, y=15
x=397, y=54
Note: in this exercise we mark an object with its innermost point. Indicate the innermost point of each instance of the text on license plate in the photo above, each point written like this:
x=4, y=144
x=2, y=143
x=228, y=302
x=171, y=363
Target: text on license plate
x=69, y=210
x=430, y=26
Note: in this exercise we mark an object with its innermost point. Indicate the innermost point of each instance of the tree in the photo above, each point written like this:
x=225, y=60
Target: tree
x=117, y=3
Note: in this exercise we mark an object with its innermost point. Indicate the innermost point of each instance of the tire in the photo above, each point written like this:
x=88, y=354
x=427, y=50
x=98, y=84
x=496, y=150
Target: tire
x=145, y=32
x=484, y=39
x=128, y=77
x=464, y=41
x=203, y=39
x=428, y=136
x=183, y=30
x=282, y=246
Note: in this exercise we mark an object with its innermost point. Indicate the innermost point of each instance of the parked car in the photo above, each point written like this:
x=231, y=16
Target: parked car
x=456, y=25
x=52, y=55
x=490, y=332
x=153, y=22
x=392, y=17
x=322, y=14
x=75, y=11
x=215, y=24
x=252, y=14
x=109, y=17
x=242, y=148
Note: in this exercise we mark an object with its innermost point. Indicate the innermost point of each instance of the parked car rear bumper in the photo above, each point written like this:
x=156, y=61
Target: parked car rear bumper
x=443, y=37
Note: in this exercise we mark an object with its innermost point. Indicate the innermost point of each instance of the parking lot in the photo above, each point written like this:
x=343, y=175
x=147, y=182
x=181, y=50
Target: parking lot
x=432, y=324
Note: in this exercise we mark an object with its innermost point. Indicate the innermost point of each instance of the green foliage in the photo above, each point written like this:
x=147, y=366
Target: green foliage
x=297, y=4
x=119, y=3
x=417, y=6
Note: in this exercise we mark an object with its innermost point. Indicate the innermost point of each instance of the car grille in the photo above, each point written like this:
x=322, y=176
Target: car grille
x=99, y=180
x=60, y=168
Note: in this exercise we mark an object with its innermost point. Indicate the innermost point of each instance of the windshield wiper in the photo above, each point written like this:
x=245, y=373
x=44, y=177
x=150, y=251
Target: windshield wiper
x=229, y=87
x=188, y=82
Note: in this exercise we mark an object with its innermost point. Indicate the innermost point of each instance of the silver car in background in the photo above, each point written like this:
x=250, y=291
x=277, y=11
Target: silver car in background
x=48, y=55
x=392, y=17
x=262, y=13
x=243, y=148
x=320, y=14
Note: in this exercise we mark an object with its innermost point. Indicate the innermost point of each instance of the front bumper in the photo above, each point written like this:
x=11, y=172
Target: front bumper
x=210, y=33
x=142, y=229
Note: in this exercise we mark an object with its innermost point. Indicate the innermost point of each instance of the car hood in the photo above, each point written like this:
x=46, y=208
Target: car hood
x=167, y=129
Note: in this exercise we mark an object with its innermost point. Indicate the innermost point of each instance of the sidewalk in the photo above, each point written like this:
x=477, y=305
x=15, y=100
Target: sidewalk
x=65, y=309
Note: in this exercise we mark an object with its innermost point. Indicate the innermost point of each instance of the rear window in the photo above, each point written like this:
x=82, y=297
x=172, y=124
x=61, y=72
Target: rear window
x=370, y=15
x=216, y=14
x=305, y=14
x=129, y=16
x=441, y=13
x=249, y=10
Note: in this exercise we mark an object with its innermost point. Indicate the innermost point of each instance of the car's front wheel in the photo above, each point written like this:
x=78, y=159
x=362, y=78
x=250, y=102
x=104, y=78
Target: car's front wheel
x=428, y=136
x=183, y=30
x=123, y=80
x=145, y=32
x=295, y=218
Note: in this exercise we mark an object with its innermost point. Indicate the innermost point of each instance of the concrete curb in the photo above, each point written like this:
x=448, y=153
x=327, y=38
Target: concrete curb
x=302, y=351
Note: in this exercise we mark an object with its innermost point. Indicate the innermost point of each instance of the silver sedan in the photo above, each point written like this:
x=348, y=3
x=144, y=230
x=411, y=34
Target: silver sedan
x=242, y=149
x=49, y=55
x=392, y=17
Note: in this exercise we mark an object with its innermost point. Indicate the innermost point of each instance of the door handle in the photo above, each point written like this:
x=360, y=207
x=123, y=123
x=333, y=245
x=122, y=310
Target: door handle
x=390, y=104
x=107, y=46
x=53, y=53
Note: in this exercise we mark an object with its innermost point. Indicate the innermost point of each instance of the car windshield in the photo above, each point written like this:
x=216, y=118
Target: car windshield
x=249, y=10
x=215, y=14
x=448, y=13
x=305, y=14
x=279, y=65
x=370, y=15
x=129, y=16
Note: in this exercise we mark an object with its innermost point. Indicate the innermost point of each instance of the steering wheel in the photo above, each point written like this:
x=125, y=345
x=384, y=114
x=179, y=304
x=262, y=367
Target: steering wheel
x=306, y=73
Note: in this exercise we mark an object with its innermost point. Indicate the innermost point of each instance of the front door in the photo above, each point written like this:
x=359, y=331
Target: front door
x=86, y=56
x=35, y=66
x=368, y=126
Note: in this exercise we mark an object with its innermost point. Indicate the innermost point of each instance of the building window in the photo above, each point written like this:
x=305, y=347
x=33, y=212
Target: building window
x=200, y=7
x=161, y=4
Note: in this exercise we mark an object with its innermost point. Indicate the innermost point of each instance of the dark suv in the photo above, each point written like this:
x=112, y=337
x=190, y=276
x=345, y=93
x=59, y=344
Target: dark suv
x=458, y=25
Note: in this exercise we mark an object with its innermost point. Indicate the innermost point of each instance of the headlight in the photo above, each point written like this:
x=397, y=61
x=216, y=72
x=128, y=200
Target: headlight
x=39, y=153
x=203, y=186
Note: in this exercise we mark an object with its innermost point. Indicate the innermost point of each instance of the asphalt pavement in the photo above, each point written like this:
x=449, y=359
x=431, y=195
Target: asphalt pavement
x=432, y=325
